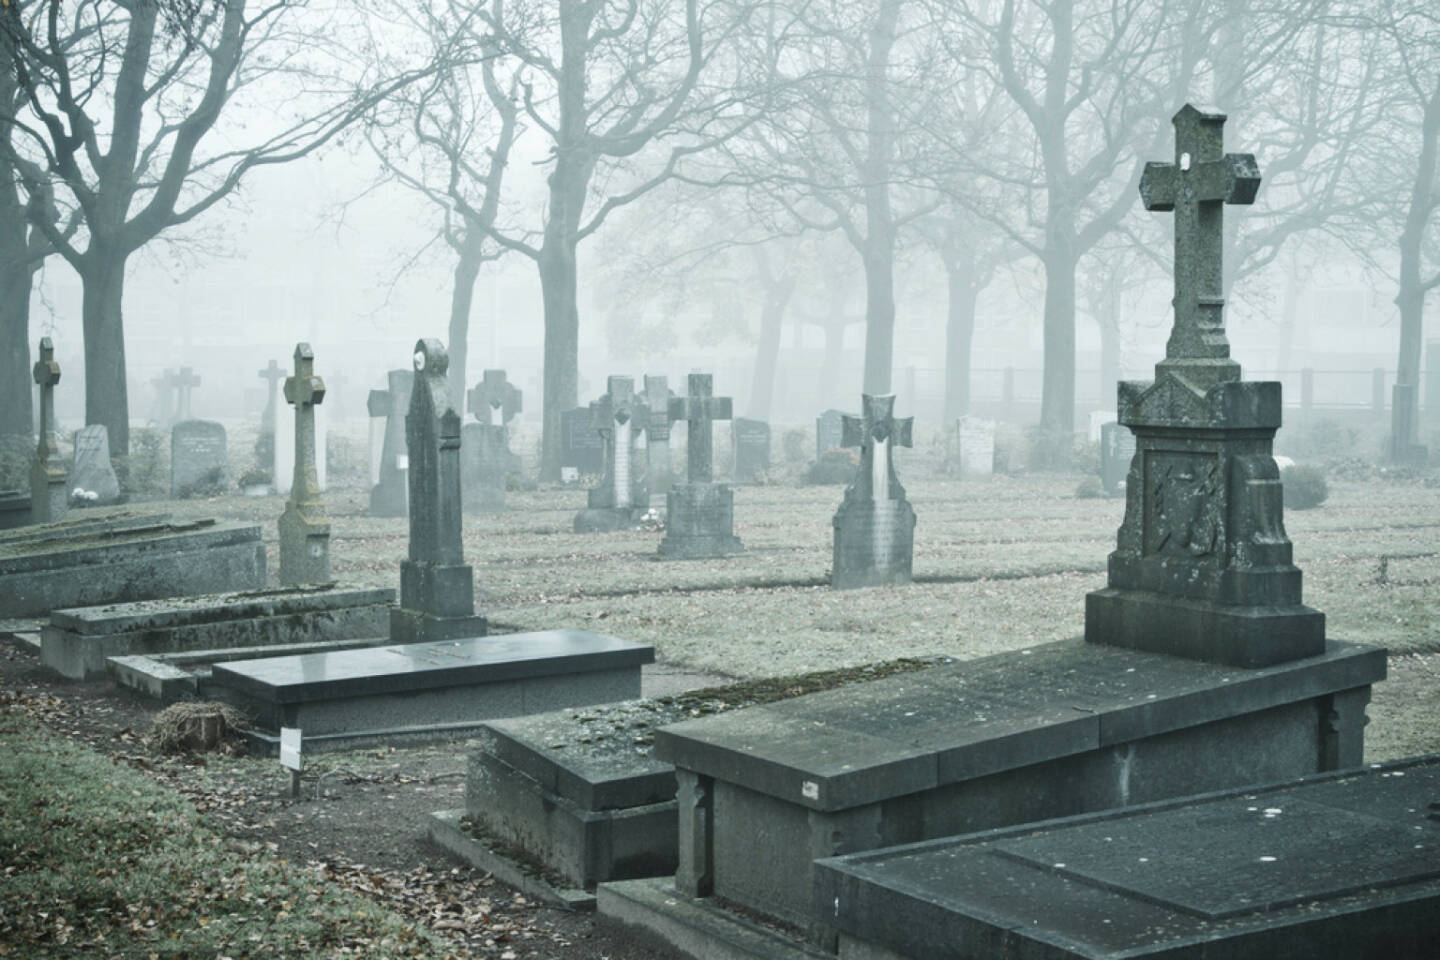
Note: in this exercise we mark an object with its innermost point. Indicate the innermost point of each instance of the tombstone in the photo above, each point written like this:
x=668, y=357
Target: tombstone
x=1117, y=450
x=1202, y=566
x=49, y=486
x=198, y=461
x=486, y=459
x=581, y=448
x=700, y=514
x=93, y=479
x=283, y=451
x=621, y=497
x=272, y=375
x=388, y=496
x=14, y=509
x=875, y=525
x=829, y=431
x=657, y=437
x=437, y=587
x=1098, y=418
x=164, y=398
x=304, y=528
x=750, y=449
x=974, y=446
x=184, y=382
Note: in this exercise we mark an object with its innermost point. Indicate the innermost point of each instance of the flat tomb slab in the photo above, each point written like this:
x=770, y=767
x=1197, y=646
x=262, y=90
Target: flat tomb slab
x=1335, y=866
x=77, y=641
x=90, y=563
x=446, y=681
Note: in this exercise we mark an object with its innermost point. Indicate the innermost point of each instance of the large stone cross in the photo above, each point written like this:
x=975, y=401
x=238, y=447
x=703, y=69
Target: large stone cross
x=304, y=529
x=494, y=400
x=615, y=417
x=47, y=374
x=700, y=410
x=877, y=432
x=304, y=390
x=184, y=382
x=273, y=374
x=1196, y=186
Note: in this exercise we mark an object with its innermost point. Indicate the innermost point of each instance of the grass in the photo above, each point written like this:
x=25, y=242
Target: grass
x=101, y=861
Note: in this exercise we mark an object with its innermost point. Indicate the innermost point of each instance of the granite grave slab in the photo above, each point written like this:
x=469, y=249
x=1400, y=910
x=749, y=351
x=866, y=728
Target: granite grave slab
x=198, y=460
x=1339, y=866
x=14, y=509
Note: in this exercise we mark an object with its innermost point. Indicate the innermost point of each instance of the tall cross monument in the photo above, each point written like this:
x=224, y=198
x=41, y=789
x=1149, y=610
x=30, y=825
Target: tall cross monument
x=1202, y=566
x=272, y=375
x=49, y=480
x=304, y=528
x=700, y=513
x=875, y=524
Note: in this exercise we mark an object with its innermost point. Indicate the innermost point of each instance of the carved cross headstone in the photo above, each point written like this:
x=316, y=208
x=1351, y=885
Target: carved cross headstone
x=614, y=417
x=49, y=496
x=1196, y=186
x=494, y=400
x=877, y=432
x=184, y=381
x=700, y=409
x=304, y=529
x=875, y=524
x=272, y=374
x=657, y=436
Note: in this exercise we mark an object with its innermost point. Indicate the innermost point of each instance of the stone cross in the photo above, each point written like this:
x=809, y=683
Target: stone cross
x=49, y=493
x=47, y=375
x=184, y=381
x=877, y=432
x=657, y=436
x=700, y=409
x=1196, y=186
x=494, y=400
x=273, y=374
x=614, y=416
x=304, y=529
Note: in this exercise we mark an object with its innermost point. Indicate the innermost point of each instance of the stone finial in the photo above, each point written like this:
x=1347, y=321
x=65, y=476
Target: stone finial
x=304, y=388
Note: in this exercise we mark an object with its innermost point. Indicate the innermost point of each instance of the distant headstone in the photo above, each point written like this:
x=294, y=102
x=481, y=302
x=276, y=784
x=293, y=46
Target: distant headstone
x=750, y=445
x=164, y=397
x=485, y=455
x=619, y=417
x=49, y=489
x=875, y=525
x=304, y=528
x=198, y=461
x=388, y=496
x=437, y=587
x=657, y=434
x=272, y=374
x=1098, y=418
x=1117, y=449
x=580, y=445
x=93, y=479
x=700, y=514
x=184, y=382
x=974, y=446
x=829, y=431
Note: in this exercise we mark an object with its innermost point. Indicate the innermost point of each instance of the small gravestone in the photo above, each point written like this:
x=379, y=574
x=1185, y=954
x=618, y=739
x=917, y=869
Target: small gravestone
x=974, y=446
x=304, y=528
x=388, y=496
x=1117, y=449
x=49, y=489
x=621, y=496
x=184, y=382
x=657, y=436
x=829, y=431
x=485, y=454
x=1098, y=419
x=93, y=479
x=581, y=448
x=437, y=586
x=750, y=443
x=198, y=462
x=875, y=525
x=700, y=514
x=273, y=374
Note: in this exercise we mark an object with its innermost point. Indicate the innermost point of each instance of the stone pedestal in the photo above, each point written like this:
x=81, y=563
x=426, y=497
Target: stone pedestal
x=304, y=545
x=437, y=602
x=700, y=522
x=49, y=491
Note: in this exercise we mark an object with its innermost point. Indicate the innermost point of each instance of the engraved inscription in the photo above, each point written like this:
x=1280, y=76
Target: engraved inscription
x=1182, y=505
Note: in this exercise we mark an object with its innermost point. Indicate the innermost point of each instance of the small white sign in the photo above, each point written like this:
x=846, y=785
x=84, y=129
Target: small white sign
x=402, y=461
x=290, y=748
x=569, y=474
x=810, y=790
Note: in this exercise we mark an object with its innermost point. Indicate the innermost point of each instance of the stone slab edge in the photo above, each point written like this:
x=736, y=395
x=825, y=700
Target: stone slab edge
x=159, y=677
x=263, y=744
x=697, y=927
x=444, y=830
x=215, y=608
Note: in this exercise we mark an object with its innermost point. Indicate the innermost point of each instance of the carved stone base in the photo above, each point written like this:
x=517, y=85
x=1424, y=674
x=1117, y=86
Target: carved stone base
x=874, y=544
x=413, y=626
x=49, y=492
x=1200, y=630
x=304, y=547
x=700, y=522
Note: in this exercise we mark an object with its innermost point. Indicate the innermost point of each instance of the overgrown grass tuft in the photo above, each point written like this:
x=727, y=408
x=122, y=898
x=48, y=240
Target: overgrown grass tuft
x=99, y=861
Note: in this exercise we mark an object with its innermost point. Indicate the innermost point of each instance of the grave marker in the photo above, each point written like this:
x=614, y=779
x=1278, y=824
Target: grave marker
x=93, y=479
x=49, y=487
x=581, y=448
x=974, y=446
x=657, y=434
x=619, y=417
x=184, y=382
x=1117, y=451
x=485, y=448
x=304, y=528
x=750, y=449
x=700, y=514
x=198, y=461
x=875, y=524
x=829, y=431
x=388, y=496
x=272, y=375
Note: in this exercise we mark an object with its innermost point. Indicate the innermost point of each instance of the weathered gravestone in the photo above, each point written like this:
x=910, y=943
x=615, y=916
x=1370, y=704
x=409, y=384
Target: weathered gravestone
x=49, y=487
x=304, y=528
x=437, y=587
x=164, y=406
x=829, y=431
x=700, y=514
x=485, y=454
x=282, y=469
x=1117, y=451
x=621, y=497
x=198, y=460
x=272, y=374
x=581, y=448
x=93, y=479
x=657, y=435
x=184, y=382
x=388, y=496
x=750, y=449
x=14, y=509
x=1336, y=867
x=875, y=525
x=974, y=447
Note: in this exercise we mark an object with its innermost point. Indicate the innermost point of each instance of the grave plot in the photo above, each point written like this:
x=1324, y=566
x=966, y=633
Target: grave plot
x=1336, y=867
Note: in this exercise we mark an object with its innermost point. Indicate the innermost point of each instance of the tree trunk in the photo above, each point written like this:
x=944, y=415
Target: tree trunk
x=466, y=270
x=17, y=414
x=1107, y=318
x=562, y=345
x=767, y=351
x=830, y=385
x=106, y=398
x=879, y=318
x=879, y=251
x=1057, y=398
x=959, y=333
x=1411, y=296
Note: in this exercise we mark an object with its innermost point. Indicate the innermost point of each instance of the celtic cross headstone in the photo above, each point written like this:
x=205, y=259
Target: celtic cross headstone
x=486, y=459
x=875, y=524
x=49, y=480
x=304, y=528
x=700, y=514
x=619, y=417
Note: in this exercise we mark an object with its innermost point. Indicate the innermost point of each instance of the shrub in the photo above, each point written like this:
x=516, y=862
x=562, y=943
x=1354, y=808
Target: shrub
x=1305, y=487
x=1089, y=489
x=836, y=465
x=792, y=445
x=145, y=470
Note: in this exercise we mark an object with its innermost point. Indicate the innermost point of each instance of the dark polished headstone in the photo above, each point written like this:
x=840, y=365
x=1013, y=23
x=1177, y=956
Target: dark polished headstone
x=1341, y=866
x=875, y=524
x=94, y=475
x=750, y=449
x=198, y=459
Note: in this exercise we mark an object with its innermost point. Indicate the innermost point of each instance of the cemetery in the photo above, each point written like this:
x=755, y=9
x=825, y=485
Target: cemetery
x=931, y=492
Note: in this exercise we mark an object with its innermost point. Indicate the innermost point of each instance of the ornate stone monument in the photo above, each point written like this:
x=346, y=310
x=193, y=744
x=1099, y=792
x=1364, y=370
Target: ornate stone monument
x=304, y=528
x=1202, y=567
x=619, y=417
x=437, y=587
x=875, y=525
x=657, y=437
x=387, y=497
x=49, y=480
x=700, y=514
x=486, y=459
